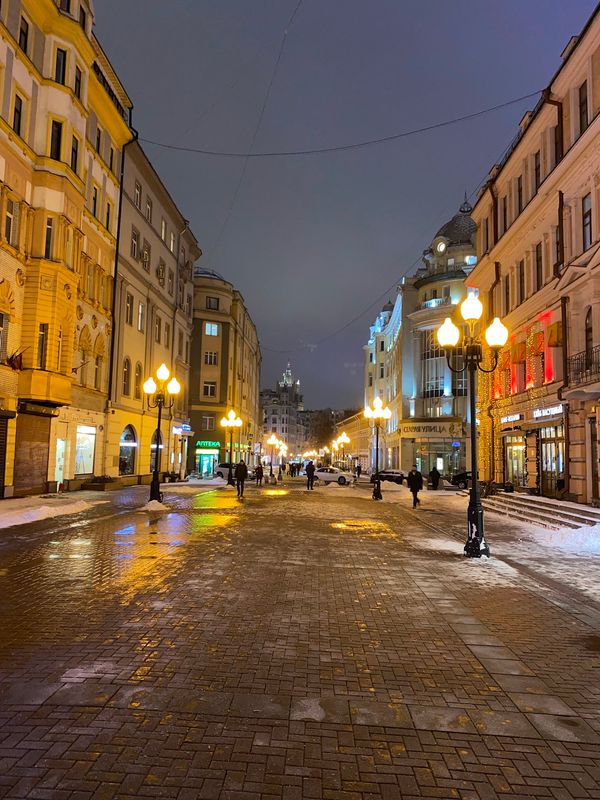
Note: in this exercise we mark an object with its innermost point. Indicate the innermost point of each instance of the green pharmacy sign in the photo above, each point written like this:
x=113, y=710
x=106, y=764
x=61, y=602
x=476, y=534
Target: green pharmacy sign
x=209, y=444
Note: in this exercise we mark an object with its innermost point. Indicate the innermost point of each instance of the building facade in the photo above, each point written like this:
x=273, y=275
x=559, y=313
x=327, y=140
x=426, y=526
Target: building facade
x=64, y=121
x=153, y=325
x=225, y=364
x=282, y=415
x=538, y=220
x=407, y=369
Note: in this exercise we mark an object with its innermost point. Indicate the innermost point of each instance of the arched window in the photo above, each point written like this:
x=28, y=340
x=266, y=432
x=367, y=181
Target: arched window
x=589, y=339
x=137, y=384
x=97, y=372
x=127, y=450
x=154, y=450
x=127, y=377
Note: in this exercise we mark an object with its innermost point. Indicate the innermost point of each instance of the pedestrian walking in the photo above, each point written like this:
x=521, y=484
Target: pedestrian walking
x=259, y=474
x=310, y=475
x=358, y=471
x=434, y=478
x=241, y=473
x=414, y=481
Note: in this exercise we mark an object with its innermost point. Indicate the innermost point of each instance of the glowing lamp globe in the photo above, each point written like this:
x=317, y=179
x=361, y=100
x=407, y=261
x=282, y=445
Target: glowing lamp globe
x=162, y=373
x=150, y=386
x=471, y=308
x=497, y=334
x=173, y=386
x=448, y=334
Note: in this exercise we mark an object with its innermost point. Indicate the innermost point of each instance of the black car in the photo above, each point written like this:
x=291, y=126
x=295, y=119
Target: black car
x=461, y=479
x=395, y=475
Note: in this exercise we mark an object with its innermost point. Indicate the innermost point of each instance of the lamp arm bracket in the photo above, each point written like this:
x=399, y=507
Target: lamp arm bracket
x=492, y=368
x=457, y=370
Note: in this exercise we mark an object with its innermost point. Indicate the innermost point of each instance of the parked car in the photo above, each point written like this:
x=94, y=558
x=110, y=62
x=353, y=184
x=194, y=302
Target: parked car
x=222, y=471
x=461, y=479
x=395, y=475
x=334, y=475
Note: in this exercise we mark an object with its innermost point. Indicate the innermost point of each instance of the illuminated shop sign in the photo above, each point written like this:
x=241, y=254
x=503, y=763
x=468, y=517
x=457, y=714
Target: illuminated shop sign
x=547, y=412
x=511, y=418
x=209, y=444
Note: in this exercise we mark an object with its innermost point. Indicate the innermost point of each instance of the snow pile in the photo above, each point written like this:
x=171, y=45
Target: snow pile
x=582, y=541
x=154, y=505
x=21, y=516
x=216, y=481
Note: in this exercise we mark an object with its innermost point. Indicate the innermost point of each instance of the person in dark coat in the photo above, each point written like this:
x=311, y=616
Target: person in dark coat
x=259, y=474
x=358, y=471
x=310, y=475
x=434, y=478
x=241, y=473
x=414, y=481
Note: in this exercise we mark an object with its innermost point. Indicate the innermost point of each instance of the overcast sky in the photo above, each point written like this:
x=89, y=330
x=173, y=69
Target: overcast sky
x=312, y=242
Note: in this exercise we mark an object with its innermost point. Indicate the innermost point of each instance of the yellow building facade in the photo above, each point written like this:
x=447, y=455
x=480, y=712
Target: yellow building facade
x=64, y=122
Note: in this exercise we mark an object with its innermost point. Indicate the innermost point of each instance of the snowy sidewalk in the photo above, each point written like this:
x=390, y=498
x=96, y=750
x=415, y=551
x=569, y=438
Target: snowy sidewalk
x=24, y=510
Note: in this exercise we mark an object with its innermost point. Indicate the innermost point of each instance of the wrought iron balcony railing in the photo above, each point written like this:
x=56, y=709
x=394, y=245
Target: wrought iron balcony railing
x=436, y=302
x=584, y=367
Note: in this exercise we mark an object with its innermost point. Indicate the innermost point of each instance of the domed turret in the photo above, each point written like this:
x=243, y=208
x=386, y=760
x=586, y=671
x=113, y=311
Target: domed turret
x=461, y=228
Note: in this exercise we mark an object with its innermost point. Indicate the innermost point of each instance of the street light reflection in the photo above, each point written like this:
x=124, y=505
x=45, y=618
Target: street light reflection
x=275, y=492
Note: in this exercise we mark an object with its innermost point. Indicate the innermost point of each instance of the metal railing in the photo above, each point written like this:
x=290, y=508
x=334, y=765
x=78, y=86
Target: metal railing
x=435, y=302
x=584, y=367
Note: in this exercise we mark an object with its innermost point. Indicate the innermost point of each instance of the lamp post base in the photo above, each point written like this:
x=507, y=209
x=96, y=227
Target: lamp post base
x=377, y=490
x=475, y=546
x=155, y=492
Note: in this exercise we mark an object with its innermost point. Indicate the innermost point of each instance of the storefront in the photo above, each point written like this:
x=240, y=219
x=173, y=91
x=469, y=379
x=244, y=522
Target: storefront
x=433, y=443
x=206, y=457
x=545, y=443
x=85, y=450
x=127, y=451
x=179, y=456
x=514, y=450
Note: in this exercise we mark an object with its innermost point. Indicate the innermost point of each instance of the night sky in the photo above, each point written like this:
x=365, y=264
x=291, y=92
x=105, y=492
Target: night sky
x=313, y=242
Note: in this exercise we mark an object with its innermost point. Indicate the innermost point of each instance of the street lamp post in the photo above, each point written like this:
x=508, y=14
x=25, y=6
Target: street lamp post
x=377, y=413
x=231, y=421
x=448, y=336
x=273, y=441
x=157, y=394
x=343, y=439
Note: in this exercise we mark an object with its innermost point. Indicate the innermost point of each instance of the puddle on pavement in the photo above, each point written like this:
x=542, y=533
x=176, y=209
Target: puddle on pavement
x=275, y=492
x=366, y=526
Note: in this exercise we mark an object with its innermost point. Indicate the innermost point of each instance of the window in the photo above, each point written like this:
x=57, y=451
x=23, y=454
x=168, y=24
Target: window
x=172, y=242
x=370, y=380
x=521, y=274
x=141, y=322
x=56, y=140
x=157, y=329
x=48, y=238
x=537, y=171
x=111, y=159
x=82, y=17
x=504, y=213
x=42, y=345
x=589, y=339
x=4, y=320
x=170, y=280
x=148, y=209
x=539, y=267
x=381, y=345
x=77, y=85
x=210, y=358
x=212, y=303
x=586, y=219
x=135, y=243
x=557, y=145
x=108, y=215
x=583, y=107
x=371, y=358
x=23, y=34
x=98, y=372
x=98, y=139
x=519, y=194
x=207, y=423
x=74, y=153
x=167, y=334
x=459, y=379
x=163, y=230
x=507, y=294
x=65, y=5
x=180, y=343
x=137, y=195
x=60, y=67
x=484, y=236
x=127, y=449
x=18, y=115
x=146, y=254
x=129, y=308
x=137, y=383
x=95, y=201
x=209, y=389
x=433, y=366
x=11, y=222
x=85, y=449
x=126, y=377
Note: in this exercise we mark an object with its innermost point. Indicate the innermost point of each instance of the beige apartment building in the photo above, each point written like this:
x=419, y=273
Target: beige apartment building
x=153, y=325
x=64, y=121
x=538, y=221
x=224, y=374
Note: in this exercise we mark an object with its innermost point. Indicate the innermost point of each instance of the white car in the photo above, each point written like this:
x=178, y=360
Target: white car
x=334, y=475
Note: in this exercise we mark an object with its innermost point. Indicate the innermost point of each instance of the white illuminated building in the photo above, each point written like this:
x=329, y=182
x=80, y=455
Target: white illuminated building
x=405, y=366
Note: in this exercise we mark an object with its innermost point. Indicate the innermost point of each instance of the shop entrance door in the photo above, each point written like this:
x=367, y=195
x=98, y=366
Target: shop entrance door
x=552, y=464
x=594, y=457
x=59, y=469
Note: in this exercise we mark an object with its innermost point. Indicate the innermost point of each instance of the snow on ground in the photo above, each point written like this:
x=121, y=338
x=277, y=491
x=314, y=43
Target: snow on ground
x=583, y=541
x=214, y=482
x=154, y=505
x=25, y=510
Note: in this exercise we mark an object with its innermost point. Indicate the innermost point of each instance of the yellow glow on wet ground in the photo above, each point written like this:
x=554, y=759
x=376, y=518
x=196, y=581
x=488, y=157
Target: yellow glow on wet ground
x=201, y=523
x=275, y=492
x=369, y=527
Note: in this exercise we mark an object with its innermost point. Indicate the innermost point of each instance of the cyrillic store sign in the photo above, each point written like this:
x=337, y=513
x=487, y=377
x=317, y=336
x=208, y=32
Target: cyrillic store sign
x=510, y=418
x=431, y=429
x=551, y=411
x=208, y=444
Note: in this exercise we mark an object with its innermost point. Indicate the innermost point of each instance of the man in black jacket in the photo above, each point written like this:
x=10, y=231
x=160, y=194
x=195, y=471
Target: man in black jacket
x=414, y=481
x=241, y=473
x=310, y=475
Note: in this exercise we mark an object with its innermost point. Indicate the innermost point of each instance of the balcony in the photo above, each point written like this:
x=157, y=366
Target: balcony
x=583, y=370
x=436, y=302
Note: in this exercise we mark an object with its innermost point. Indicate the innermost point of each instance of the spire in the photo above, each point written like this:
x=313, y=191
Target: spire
x=466, y=207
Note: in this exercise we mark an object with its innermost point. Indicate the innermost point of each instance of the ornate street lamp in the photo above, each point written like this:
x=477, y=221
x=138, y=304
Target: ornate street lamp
x=343, y=439
x=334, y=451
x=448, y=336
x=377, y=413
x=231, y=421
x=157, y=394
x=274, y=442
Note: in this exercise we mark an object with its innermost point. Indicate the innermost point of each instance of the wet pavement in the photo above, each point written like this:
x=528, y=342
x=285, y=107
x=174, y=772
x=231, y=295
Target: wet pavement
x=295, y=645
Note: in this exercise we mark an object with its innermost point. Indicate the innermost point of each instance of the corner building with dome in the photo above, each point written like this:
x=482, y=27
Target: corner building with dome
x=405, y=366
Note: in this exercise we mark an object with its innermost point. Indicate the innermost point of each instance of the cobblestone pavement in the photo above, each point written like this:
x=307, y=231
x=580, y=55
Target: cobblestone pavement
x=296, y=645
